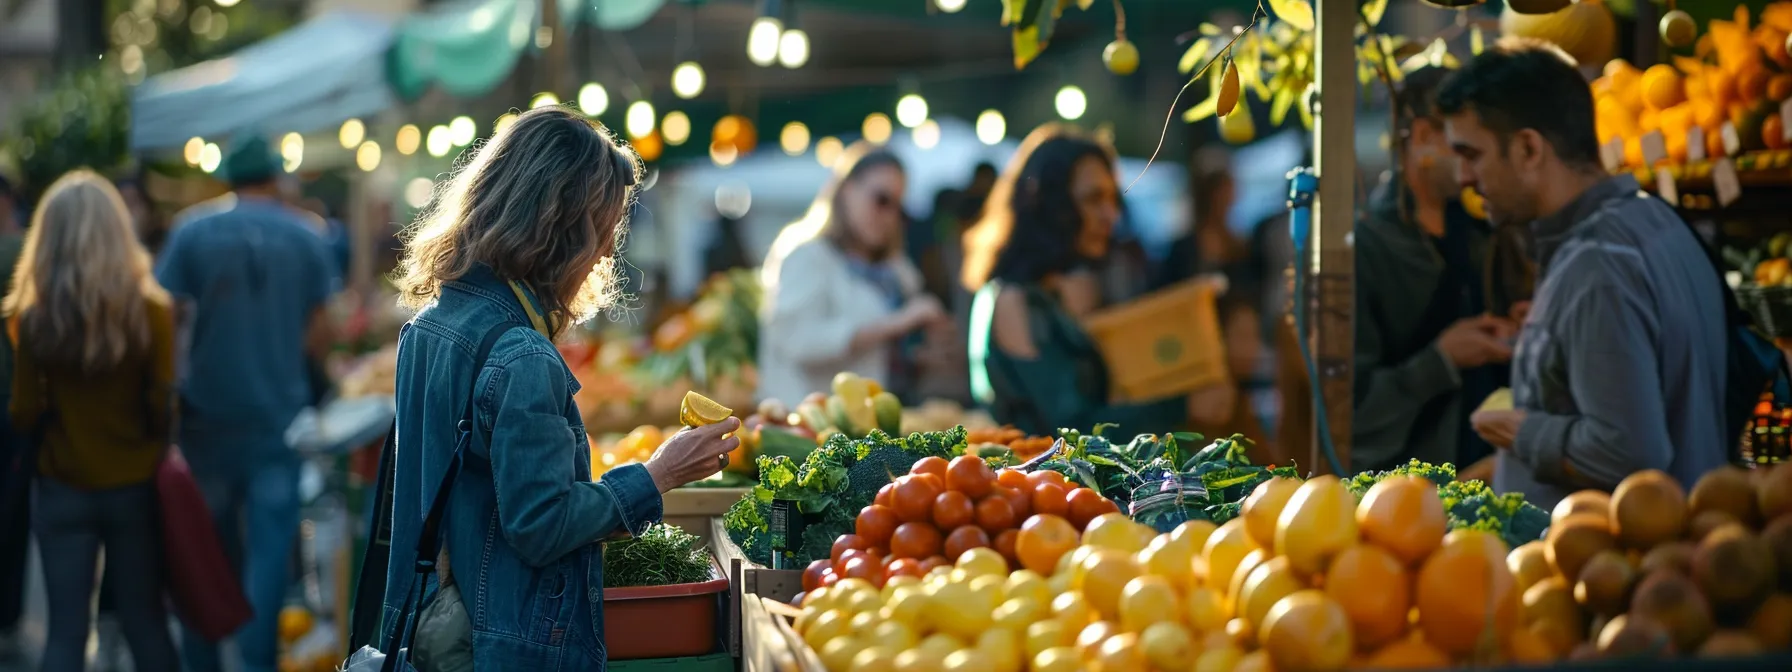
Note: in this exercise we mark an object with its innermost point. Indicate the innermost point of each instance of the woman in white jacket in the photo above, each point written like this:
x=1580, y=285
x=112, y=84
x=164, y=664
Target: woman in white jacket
x=839, y=294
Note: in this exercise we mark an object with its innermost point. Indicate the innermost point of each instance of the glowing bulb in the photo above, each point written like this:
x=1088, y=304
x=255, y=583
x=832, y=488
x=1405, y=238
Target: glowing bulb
x=210, y=156
x=191, y=152
x=827, y=150
x=639, y=121
x=991, y=127
x=911, y=110
x=544, y=99
x=1071, y=102
x=462, y=130
x=675, y=128
x=368, y=156
x=352, y=133
x=409, y=138
x=762, y=40
x=733, y=200
x=687, y=80
x=504, y=121
x=794, y=138
x=227, y=3
x=793, y=48
x=438, y=142
x=292, y=151
x=877, y=128
x=593, y=99
x=723, y=154
x=418, y=191
x=949, y=6
x=927, y=135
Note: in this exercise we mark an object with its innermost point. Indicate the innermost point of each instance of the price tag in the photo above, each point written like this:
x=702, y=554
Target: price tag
x=1612, y=155
x=1785, y=116
x=1695, y=144
x=1723, y=180
x=1665, y=187
x=1654, y=149
x=1732, y=140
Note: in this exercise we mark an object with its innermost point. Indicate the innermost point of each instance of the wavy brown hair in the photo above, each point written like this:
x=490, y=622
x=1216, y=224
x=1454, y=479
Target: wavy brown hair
x=1030, y=221
x=82, y=281
x=544, y=202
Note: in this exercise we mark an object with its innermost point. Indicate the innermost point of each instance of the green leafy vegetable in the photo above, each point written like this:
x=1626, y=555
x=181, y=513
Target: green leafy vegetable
x=1470, y=505
x=664, y=555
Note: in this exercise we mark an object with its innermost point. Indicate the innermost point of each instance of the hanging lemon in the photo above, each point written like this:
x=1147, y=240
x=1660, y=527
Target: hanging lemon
x=1121, y=57
x=1228, y=98
x=697, y=410
x=1678, y=29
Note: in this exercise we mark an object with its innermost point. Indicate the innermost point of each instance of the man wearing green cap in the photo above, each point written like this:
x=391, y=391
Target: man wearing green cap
x=256, y=277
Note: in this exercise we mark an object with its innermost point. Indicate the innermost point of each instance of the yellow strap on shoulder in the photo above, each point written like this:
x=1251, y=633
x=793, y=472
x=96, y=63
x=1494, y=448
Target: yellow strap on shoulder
x=535, y=319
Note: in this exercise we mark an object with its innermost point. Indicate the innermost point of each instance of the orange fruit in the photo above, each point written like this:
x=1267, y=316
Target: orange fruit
x=1709, y=116
x=1779, y=87
x=1403, y=515
x=1307, y=632
x=1411, y=653
x=1751, y=83
x=1773, y=132
x=1375, y=591
x=1318, y=523
x=1721, y=85
x=1662, y=87
x=1467, y=598
x=1043, y=539
x=1526, y=647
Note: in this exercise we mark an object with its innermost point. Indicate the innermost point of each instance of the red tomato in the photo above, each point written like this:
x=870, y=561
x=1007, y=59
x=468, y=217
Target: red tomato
x=904, y=567
x=1021, y=499
x=847, y=542
x=829, y=578
x=938, y=481
x=1048, y=497
x=931, y=464
x=914, y=499
x=840, y=565
x=875, y=524
x=864, y=567
x=812, y=574
x=952, y=510
x=1013, y=478
x=995, y=514
x=935, y=561
x=885, y=495
x=970, y=475
x=1004, y=544
x=915, y=540
x=1085, y=505
x=964, y=539
x=1045, y=476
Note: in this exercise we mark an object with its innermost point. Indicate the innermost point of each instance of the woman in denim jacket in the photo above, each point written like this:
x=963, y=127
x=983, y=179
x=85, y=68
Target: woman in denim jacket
x=525, y=233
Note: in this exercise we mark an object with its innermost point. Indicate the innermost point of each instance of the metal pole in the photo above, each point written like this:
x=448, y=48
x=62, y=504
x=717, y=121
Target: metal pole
x=1334, y=264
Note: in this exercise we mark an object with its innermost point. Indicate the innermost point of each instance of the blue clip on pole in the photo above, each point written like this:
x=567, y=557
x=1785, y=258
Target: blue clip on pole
x=1303, y=186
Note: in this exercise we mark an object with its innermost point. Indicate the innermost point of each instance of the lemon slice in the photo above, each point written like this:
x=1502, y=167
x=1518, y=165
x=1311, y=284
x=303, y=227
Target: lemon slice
x=697, y=410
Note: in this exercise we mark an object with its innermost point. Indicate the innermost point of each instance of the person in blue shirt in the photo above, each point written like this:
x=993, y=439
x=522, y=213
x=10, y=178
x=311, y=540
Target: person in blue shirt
x=255, y=278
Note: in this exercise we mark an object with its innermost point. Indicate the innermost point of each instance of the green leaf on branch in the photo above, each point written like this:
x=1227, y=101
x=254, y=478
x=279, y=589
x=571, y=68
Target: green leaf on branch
x=1196, y=53
x=1297, y=13
x=1373, y=11
x=1035, y=20
x=1278, y=110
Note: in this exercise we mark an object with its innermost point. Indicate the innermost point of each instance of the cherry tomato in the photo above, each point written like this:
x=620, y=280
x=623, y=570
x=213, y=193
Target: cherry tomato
x=938, y=481
x=864, y=567
x=1045, y=476
x=914, y=499
x=1021, y=499
x=904, y=567
x=1004, y=544
x=885, y=495
x=970, y=475
x=1085, y=505
x=935, y=561
x=847, y=542
x=875, y=524
x=964, y=539
x=1048, y=497
x=812, y=574
x=995, y=514
x=829, y=578
x=847, y=556
x=1013, y=478
x=915, y=540
x=931, y=464
x=952, y=510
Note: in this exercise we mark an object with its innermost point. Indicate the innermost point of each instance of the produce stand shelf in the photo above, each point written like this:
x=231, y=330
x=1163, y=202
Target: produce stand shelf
x=748, y=581
x=692, y=508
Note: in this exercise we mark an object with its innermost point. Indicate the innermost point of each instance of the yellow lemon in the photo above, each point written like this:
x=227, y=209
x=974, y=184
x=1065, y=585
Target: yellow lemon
x=1318, y=523
x=892, y=635
x=1307, y=631
x=940, y=643
x=1266, y=585
x=1171, y=558
x=1001, y=648
x=838, y=652
x=1203, y=610
x=967, y=660
x=919, y=660
x=1116, y=531
x=874, y=659
x=1058, y=659
x=1046, y=634
x=1104, y=577
x=1120, y=653
x=1018, y=613
x=826, y=627
x=1167, y=645
x=1225, y=548
x=697, y=410
x=1146, y=600
x=1073, y=609
x=1218, y=659
x=1264, y=505
x=982, y=561
x=1026, y=583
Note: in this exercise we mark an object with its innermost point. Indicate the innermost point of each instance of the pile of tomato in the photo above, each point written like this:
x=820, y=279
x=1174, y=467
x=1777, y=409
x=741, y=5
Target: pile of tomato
x=941, y=509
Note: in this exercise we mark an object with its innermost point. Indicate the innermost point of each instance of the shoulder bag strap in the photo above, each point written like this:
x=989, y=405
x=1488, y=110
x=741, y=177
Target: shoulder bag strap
x=429, y=541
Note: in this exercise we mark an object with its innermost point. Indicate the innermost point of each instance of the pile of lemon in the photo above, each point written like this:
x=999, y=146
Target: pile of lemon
x=1306, y=579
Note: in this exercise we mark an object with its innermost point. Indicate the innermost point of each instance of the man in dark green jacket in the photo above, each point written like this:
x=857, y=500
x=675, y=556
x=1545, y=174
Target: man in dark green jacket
x=1427, y=351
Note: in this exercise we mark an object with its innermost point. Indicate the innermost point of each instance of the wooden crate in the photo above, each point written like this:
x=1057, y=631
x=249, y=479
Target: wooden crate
x=748, y=580
x=692, y=508
x=771, y=644
x=1162, y=344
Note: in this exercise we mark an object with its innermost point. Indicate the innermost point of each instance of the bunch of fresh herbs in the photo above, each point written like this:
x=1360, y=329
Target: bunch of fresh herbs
x=664, y=555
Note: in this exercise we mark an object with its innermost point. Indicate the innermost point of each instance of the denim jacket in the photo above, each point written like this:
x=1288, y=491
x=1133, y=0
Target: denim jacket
x=525, y=520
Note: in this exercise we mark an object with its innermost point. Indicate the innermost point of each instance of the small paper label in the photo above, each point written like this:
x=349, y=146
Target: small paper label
x=1654, y=148
x=1612, y=155
x=1695, y=144
x=1724, y=181
x=1664, y=186
x=1785, y=115
x=1732, y=140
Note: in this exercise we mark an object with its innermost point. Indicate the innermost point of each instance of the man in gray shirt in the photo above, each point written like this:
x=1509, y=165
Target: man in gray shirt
x=1620, y=365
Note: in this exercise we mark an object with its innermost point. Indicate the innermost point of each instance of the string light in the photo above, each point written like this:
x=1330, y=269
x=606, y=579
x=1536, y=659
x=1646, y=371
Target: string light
x=368, y=156
x=828, y=150
x=209, y=157
x=351, y=133
x=793, y=48
x=1071, y=102
x=438, y=141
x=409, y=137
x=462, y=131
x=991, y=127
x=876, y=128
x=687, y=80
x=723, y=154
x=911, y=110
x=504, y=121
x=949, y=6
x=593, y=99
x=639, y=121
x=192, y=151
x=292, y=151
x=675, y=128
x=544, y=99
x=927, y=135
x=418, y=191
x=763, y=39
x=794, y=138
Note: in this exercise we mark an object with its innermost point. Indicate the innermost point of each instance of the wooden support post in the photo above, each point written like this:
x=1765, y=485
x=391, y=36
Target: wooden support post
x=1333, y=264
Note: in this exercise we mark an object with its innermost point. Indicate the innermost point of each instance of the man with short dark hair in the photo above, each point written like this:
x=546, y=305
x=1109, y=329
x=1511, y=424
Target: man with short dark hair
x=1620, y=365
x=257, y=276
